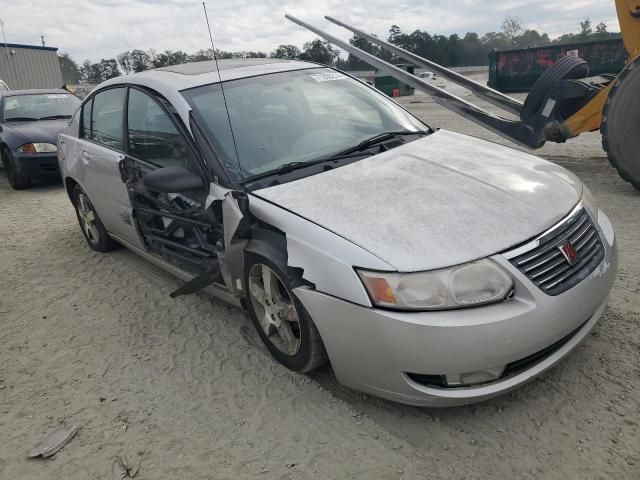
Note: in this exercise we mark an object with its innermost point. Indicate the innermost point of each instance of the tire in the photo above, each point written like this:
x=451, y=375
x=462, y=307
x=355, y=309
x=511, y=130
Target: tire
x=310, y=352
x=620, y=118
x=567, y=68
x=16, y=179
x=96, y=235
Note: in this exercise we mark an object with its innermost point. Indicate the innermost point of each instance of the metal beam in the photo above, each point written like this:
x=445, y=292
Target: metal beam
x=489, y=94
x=515, y=131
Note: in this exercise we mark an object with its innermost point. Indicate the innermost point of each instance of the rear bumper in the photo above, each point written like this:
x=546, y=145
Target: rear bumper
x=375, y=350
x=37, y=164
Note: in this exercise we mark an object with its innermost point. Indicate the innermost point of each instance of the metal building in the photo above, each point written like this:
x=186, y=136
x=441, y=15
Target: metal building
x=28, y=66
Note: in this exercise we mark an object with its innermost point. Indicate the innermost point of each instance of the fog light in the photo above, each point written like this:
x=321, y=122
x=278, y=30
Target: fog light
x=474, y=378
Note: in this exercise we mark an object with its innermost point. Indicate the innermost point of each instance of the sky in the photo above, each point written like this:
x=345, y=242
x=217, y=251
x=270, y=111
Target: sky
x=94, y=29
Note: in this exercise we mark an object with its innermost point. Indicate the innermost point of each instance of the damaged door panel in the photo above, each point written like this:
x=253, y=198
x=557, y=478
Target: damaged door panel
x=168, y=191
x=174, y=226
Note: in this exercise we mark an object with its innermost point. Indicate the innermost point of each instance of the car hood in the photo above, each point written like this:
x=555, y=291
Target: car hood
x=443, y=200
x=42, y=131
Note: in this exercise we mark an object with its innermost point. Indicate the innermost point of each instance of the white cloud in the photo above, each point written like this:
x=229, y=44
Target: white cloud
x=103, y=28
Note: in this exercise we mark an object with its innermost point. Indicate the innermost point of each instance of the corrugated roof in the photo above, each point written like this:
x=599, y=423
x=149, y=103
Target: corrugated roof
x=31, y=47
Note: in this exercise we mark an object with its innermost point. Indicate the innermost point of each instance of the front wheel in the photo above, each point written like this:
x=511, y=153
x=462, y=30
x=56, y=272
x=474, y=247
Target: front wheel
x=282, y=322
x=16, y=179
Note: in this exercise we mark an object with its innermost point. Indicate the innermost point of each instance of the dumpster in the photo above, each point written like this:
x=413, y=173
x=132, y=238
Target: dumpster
x=517, y=70
x=392, y=86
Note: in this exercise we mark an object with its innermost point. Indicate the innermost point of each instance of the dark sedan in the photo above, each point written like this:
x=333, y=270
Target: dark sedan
x=30, y=121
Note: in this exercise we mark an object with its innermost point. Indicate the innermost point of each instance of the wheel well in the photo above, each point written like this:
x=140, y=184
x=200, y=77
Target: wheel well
x=272, y=245
x=269, y=244
x=70, y=184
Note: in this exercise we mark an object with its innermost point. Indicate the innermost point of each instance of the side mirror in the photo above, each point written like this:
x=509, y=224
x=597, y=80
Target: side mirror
x=176, y=179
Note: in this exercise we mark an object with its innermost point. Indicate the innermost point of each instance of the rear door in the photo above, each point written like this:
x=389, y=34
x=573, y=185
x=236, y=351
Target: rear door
x=174, y=225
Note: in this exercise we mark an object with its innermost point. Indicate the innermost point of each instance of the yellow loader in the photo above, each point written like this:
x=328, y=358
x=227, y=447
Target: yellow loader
x=563, y=103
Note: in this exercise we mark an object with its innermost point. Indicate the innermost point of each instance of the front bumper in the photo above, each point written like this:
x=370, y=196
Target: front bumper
x=374, y=350
x=37, y=164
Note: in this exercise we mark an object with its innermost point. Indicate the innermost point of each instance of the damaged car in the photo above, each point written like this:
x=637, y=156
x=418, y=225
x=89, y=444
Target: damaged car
x=427, y=267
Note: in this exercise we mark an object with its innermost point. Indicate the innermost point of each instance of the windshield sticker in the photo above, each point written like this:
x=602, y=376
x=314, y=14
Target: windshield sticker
x=327, y=77
x=58, y=95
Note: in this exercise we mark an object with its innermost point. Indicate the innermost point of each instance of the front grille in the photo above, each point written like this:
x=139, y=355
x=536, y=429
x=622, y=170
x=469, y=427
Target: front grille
x=546, y=265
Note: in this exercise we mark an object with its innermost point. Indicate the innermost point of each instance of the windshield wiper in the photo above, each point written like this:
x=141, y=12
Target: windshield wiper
x=55, y=117
x=292, y=166
x=357, y=151
x=381, y=137
x=20, y=119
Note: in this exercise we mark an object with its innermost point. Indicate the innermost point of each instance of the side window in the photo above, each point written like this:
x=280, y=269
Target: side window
x=106, y=120
x=153, y=137
x=86, y=119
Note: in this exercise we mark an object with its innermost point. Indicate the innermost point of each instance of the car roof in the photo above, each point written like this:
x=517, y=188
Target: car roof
x=189, y=75
x=33, y=91
x=208, y=66
x=171, y=81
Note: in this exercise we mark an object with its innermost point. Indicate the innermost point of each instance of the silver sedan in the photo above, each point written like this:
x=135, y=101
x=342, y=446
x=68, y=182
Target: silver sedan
x=428, y=267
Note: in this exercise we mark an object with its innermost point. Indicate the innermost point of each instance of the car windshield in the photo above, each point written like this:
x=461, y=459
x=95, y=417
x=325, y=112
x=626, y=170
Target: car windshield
x=39, y=106
x=292, y=118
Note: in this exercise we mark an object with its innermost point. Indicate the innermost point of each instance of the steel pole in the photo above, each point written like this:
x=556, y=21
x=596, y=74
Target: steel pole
x=515, y=131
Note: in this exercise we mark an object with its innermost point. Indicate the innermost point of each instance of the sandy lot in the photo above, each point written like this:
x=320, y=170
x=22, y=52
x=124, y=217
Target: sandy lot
x=94, y=340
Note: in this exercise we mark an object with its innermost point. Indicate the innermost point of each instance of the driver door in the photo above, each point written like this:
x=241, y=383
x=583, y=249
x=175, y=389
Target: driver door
x=160, y=158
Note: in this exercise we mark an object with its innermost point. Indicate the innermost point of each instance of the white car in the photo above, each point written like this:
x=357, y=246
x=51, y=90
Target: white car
x=428, y=267
x=433, y=78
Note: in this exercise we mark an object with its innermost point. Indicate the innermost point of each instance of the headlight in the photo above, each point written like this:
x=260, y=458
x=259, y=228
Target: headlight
x=468, y=285
x=589, y=202
x=38, y=148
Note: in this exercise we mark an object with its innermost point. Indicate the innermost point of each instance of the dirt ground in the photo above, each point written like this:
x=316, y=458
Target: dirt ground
x=94, y=340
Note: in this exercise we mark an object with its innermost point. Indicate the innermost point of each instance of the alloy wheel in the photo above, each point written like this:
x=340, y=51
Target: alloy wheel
x=88, y=219
x=274, y=309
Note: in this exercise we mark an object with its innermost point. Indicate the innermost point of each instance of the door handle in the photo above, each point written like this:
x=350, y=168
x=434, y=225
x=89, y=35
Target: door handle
x=85, y=157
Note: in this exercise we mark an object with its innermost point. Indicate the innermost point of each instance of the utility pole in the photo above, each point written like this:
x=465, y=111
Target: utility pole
x=42, y=38
x=6, y=48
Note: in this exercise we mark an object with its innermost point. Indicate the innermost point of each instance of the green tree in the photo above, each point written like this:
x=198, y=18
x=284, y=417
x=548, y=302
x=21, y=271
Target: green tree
x=70, y=69
x=169, y=57
x=319, y=51
x=531, y=38
x=134, y=61
x=99, y=72
x=201, y=55
x=601, y=31
x=586, y=28
x=244, y=54
x=394, y=33
x=289, y=52
x=512, y=29
x=354, y=63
